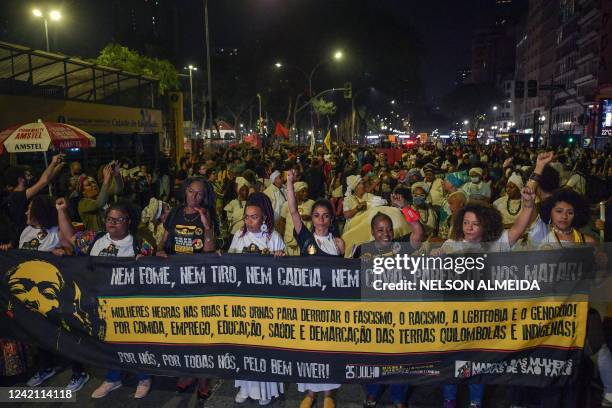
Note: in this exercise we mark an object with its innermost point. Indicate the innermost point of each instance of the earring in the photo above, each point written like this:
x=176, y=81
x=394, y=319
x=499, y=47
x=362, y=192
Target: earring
x=264, y=227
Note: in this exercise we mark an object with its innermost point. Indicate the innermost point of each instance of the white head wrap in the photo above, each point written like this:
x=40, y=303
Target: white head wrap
x=351, y=183
x=299, y=186
x=517, y=180
x=416, y=185
x=240, y=182
x=476, y=170
x=274, y=175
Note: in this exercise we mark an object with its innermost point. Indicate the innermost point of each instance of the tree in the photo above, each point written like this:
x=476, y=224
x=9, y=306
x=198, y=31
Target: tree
x=120, y=57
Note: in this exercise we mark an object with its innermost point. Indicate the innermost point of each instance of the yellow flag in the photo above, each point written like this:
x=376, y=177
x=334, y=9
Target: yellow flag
x=327, y=141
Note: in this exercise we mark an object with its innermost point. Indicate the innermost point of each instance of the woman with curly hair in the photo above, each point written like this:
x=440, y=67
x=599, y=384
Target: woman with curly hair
x=561, y=217
x=258, y=236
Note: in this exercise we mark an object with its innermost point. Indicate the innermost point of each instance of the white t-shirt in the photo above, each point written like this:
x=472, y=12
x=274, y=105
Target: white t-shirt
x=39, y=239
x=105, y=246
x=272, y=242
x=502, y=244
x=502, y=206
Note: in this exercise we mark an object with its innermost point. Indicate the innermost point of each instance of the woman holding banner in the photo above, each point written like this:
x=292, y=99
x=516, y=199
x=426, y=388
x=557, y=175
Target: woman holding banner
x=42, y=234
x=479, y=227
x=382, y=231
x=258, y=236
x=321, y=241
x=118, y=239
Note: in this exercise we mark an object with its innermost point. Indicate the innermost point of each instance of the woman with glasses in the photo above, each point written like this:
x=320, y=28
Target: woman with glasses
x=117, y=239
x=257, y=236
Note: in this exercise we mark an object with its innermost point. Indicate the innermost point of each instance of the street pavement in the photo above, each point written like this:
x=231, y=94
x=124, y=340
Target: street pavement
x=163, y=395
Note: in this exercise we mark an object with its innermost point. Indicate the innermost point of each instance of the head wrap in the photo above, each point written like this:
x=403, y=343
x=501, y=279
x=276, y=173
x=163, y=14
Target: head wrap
x=351, y=183
x=299, y=186
x=430, y=167
x=152, y=211
x=458, y=193
x=517, y=180
x=274, y=175
x=417, y=185
x=240, y=182
x=477, y=170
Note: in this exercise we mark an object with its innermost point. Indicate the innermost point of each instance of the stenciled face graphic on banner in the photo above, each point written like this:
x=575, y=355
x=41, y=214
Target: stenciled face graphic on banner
x=40, y=286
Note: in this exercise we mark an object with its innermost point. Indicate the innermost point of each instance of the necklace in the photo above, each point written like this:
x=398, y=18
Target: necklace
x=517, y=210
x=560, y=231
x=196, y=215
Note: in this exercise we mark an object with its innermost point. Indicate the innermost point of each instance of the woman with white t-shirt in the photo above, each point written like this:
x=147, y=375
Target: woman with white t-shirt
x=479, y=228
x=42, y=234
x=119, y=239
x=258, y=236
x=321, y=241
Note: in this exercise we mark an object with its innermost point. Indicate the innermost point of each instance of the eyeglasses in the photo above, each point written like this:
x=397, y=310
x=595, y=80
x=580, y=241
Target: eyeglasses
x=115, y=221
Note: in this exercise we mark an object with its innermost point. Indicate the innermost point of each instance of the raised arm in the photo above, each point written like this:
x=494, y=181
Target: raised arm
x=57, y=162
x=292, y=203
x=65, y=225
x=523, y=220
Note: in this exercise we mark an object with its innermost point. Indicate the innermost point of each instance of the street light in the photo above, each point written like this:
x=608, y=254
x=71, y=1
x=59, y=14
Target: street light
x=338, y=55
x=278, y=65
x=465, y=122
x=191, y=68
x=495, y=108
x=54, y=15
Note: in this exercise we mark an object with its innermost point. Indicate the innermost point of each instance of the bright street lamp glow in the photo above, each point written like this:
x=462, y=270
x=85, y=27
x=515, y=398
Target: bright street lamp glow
x=37, y=12
x=278, y=65
x=338, y=55
x=55, y=15
x=495, y=108
x=465, y=122
x=393, y=102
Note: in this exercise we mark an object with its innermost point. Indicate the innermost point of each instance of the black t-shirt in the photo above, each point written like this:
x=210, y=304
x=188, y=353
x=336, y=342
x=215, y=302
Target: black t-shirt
x=185, y=234
x=384, y=250
x=308, y=244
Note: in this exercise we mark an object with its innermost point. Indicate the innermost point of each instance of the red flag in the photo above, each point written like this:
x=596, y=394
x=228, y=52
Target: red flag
x=281, y=131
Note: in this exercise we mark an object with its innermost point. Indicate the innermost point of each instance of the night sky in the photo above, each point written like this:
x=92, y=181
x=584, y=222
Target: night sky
x=301, y=32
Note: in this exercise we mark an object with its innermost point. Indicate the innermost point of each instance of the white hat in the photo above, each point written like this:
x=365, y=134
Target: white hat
x=517, y=180
x=476, y=170
x=241, y=182
x=299, y=186
x=418, y=184
x=274, y=175
x=351, y=183
x=152, y=211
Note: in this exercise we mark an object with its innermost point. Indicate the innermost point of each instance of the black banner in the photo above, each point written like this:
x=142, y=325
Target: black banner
x=297, y=319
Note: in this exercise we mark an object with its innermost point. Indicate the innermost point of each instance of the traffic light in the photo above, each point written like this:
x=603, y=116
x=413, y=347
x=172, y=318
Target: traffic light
x=519, y=89
x=532, y=88
x=348, y=90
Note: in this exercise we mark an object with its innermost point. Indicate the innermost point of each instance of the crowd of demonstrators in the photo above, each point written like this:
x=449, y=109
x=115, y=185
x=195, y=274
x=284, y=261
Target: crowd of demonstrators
x=286, y=200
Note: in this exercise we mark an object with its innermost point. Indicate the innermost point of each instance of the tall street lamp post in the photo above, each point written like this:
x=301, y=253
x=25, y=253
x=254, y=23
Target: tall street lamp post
x=54, y=15
x=191, y=68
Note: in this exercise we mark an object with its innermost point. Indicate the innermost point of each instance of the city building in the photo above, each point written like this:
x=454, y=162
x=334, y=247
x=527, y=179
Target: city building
x=535, y=65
